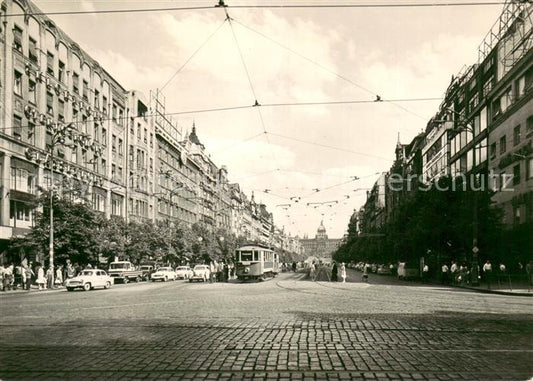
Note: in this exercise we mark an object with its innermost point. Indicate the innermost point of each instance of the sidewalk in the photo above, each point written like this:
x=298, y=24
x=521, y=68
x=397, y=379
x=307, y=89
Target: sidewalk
x=34, y=290
x=517, y=288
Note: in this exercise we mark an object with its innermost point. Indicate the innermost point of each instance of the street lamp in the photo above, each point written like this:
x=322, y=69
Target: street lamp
x=59, y=134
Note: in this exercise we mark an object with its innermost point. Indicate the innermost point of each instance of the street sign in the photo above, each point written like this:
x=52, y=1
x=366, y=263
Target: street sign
x=475, y=250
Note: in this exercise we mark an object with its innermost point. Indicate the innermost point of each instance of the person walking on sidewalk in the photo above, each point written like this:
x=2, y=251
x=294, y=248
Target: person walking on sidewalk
x=444, y=273
x=9, y=278
x=59, y=277
x=425, y=273
x=49, y=276
x=40, y=277
x=343, y=272
x=334, y=272
x=366, y=268
x=454, y=270
x=29, y=276
x=487, y=273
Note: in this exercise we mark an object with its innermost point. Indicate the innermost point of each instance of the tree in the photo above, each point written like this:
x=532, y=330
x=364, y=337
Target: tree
x=75, y=227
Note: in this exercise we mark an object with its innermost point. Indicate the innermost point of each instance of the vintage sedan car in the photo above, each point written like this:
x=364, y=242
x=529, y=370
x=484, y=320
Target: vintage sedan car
x=163, y=274
x=89, y=279
x=200, y=273
x=147, y=270
x=184, y=272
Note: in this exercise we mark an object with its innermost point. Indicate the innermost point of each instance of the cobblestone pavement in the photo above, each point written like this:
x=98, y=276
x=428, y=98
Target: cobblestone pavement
x=285, y=328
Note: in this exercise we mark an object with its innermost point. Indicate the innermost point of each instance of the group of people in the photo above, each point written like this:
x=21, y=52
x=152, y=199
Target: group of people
x=456, y=274
x=336, y=271
x=221, y=272
x=27, y=274
x=461, y=274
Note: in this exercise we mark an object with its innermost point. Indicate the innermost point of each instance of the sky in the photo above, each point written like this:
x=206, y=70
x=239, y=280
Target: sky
x=307, y=163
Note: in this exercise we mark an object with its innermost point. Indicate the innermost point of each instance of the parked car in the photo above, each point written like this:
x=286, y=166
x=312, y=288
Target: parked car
x=147, y=271
x=163, y=274
x=200, y=273
x=184, y=272
x=124, y=271
x=89, y=279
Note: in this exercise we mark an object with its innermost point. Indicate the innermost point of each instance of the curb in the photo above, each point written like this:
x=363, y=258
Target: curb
x=498, y=292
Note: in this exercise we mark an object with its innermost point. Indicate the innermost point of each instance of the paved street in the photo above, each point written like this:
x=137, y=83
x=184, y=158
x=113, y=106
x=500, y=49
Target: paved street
x=285, y=328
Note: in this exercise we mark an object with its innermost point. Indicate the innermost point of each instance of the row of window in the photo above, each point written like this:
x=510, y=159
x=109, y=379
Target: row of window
x=470, y=159
x=517, y=138
x=140, y=208
x=512, y=93
x=80, y=83
x=506, y=180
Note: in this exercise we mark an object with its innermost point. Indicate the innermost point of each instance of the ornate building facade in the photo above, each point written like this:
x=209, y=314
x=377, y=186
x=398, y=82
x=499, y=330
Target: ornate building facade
x=321, y=246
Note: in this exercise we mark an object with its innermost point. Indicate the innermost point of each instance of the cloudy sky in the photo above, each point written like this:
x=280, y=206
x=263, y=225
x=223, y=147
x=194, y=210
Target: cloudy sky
x=299, y=154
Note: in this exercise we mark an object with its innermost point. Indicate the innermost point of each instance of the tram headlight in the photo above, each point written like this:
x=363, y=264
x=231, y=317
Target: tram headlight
x=246, y=270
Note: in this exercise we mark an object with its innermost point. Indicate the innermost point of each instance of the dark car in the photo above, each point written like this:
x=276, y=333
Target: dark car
x=147, y=271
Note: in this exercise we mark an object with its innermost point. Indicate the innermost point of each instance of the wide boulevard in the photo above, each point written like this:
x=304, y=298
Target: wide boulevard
x=284, y=328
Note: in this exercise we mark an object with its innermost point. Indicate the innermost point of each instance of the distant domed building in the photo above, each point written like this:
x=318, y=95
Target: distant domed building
x=321, y=246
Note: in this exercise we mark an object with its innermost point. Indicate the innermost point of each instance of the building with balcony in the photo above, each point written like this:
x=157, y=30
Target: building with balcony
x=123, y=154
x=49, y=82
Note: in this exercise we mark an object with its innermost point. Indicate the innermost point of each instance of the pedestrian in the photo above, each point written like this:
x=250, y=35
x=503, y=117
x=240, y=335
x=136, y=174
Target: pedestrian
x=529, y=272
x=9, y=278
x=425, y=273
x=312, y=271
x=366, y=268
x=502, y=268
x=294, y=267
x=29, y=276
x=444, y=273
x=343, y=272
x=71, y=272
x=49, y=276
x=40, y=277
x=226, y=272
x=220, y=272
x=454, y=269
x=2, y=272
x=211, y=272
x=59, y=276
x=487, y=273
x=334, y=272
x=22, y=277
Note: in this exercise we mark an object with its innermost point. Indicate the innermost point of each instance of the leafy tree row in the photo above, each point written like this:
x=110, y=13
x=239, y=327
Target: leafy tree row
x=439, y=226
x=86, y=236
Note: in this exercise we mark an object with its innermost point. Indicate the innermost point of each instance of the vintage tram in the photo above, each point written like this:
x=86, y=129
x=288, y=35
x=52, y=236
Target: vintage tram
x=256, y=262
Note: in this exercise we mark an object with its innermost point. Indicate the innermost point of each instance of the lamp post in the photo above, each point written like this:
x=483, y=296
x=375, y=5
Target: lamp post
x=474, y=270
x=59, y=134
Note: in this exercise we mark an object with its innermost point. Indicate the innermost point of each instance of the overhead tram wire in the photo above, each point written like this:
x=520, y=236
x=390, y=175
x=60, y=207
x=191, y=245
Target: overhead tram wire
x=192, y=56
x=242, y=107
x=316, y=63
x=264, y=6
x=256, y=104
x=328, y=146
x=238, y=143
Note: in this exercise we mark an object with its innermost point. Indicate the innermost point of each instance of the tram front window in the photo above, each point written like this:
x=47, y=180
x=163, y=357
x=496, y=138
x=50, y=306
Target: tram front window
x=246, y=256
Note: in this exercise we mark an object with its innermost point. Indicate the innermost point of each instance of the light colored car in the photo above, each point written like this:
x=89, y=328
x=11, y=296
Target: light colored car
x=163, y=274
x=200, y=273
x=184, y=272
x=89, y=279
